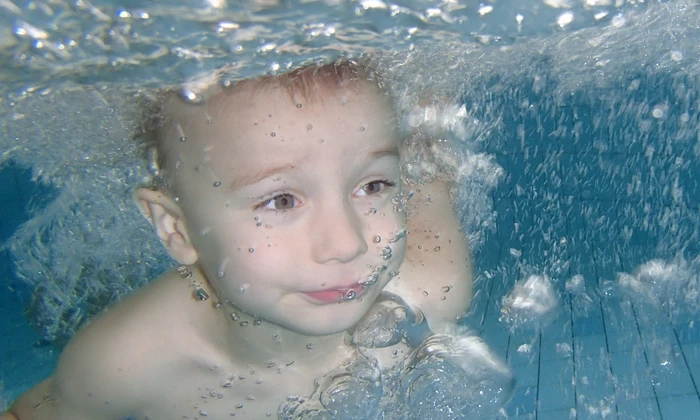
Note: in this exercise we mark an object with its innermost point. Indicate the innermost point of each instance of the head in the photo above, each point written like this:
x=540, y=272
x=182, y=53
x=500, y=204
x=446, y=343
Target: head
x=283, y=191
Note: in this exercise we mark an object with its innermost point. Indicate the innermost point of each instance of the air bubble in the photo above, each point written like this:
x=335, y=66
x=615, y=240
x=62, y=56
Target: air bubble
x=309, y=346
x=361, y=128
x=183, y=139
x=235, y=316
x=309, y=127
x=446, y=289
x=371, y=211
x=399, y=235
x=217, y=184
x=436, y=249
x=443, y=297
x=386, y=253
x=299, y=105
x=273, y=134
x=377, y=239
x=243, y=323
x=425, y=293
x=251, y=250
x=190, y=96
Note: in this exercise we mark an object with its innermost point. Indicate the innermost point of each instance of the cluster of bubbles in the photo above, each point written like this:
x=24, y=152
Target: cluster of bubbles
x=445, y=376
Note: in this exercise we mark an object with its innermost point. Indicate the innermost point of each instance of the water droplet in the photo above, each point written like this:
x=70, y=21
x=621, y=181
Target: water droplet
x=299, y=105
x=235, y=316
x=226, y=83
x=251, y=250
x=309, y=127
x=425, y=293
x=198, y=168
x=446, y=289
x=273, y=134
x=257, y=323
x=436, y=249
x=217, y=183
x=420, y=246
x=220, y=274
x=443, y=297
x=350, y=295
x=371, y=211
x=377, y=239
x=321, y=140
x=209, y=121
x=258, y=224
x=361, y=128
x=310, y=346
x=202, y=413
x=243, y=323
x=271, y=363
x=183, y=139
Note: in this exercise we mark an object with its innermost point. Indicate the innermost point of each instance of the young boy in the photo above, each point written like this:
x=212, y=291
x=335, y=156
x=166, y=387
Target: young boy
x=282, y=201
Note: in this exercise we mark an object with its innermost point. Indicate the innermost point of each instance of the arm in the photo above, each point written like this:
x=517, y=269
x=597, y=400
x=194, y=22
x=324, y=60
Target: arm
x=436, y=275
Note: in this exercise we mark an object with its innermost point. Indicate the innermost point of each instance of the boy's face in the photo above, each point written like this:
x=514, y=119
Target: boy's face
x=289, y=205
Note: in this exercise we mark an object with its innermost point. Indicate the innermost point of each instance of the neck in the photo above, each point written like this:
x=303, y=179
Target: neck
x=256, y=342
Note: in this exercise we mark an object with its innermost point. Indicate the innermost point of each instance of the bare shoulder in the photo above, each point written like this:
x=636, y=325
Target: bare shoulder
x=436, y=275
x=121, y=360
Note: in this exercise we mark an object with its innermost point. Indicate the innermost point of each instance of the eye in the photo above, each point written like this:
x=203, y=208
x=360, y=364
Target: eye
x=375, y=187
x=279, y=202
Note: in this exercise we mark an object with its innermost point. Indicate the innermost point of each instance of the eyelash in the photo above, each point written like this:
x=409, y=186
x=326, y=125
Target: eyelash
x=265, y=203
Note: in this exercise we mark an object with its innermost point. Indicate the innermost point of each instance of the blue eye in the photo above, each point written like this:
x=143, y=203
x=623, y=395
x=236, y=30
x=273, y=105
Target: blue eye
x=376, y=187
x=280, y=202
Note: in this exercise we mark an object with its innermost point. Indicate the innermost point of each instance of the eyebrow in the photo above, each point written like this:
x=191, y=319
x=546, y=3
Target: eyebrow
x=255, y=177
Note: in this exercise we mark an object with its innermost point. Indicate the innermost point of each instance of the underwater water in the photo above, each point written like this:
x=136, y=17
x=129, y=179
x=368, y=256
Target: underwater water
x=579, y=154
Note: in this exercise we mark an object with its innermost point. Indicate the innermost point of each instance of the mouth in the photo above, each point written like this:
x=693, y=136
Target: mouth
x=337, y=295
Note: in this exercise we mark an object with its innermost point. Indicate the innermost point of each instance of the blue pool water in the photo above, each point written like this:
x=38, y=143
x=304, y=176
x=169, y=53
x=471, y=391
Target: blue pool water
x=605, y=354
x=601, y=195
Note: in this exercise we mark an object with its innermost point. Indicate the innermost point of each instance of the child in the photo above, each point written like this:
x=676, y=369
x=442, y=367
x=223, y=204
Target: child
x=282, y=199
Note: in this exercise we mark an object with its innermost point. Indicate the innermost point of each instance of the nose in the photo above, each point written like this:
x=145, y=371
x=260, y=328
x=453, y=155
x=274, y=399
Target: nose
x=338, y=233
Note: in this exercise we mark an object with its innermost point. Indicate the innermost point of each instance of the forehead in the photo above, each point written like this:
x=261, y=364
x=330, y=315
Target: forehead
x=244, y=124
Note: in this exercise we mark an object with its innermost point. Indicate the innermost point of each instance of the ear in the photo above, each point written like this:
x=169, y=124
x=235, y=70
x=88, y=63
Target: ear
x=168, y=220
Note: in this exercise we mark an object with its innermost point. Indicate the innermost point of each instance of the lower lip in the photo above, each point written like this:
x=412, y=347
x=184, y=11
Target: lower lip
x=334, y=295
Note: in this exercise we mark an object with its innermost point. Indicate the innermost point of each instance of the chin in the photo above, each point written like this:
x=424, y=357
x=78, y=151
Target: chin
x=332, y=323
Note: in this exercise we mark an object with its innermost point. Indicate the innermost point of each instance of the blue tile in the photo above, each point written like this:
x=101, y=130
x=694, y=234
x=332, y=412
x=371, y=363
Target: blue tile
x=628, y=362
x=526, y=375
x=674, y=381
x=633, y=386
x=627, y=340
x=523, y=350
x=569, y=413
x=590, y=345
x=524, y=401
x=604, y=409
x=642, y=409
x=556, y=371
x=680, y=406
x=555, y=397
x=692, y=354
x=553, y=350
x=589, y=325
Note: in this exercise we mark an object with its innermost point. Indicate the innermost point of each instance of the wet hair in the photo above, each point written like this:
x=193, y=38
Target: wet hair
x=308, y=84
